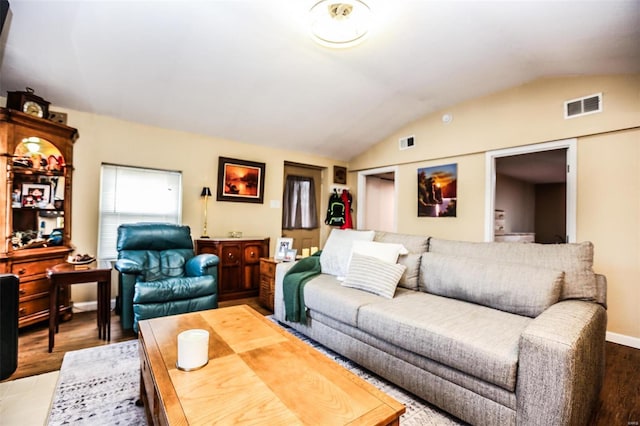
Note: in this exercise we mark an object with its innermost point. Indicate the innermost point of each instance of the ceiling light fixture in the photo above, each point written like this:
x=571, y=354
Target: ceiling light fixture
x=339, y=23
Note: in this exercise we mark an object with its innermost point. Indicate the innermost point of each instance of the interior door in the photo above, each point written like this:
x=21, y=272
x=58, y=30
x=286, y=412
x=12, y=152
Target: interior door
x=305, y=238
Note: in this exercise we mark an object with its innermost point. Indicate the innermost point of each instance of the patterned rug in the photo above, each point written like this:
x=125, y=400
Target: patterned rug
x=99, y=386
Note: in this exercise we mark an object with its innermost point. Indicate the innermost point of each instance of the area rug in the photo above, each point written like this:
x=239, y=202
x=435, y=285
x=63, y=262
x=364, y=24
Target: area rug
x=99, y=386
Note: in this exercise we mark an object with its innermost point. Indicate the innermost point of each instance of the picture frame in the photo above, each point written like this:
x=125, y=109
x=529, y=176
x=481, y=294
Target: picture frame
x=340, y=175
x=240, y=180
x=36, y=195
x=291, y=255
x=438, y=191
x=283, y=246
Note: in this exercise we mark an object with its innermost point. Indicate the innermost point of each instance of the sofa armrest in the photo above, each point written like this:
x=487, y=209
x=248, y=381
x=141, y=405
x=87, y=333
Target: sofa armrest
x=601, y=290
x=203, y=264
x=128, y=266
x=561, y=364
x=278, y=296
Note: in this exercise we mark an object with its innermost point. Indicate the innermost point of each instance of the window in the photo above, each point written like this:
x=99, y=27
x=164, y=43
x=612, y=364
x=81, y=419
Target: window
x=133, y=194
x=299, y=203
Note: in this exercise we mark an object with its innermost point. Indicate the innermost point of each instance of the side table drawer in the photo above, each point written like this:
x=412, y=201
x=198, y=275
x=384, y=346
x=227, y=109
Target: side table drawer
x=267, y=269
x=266, y=293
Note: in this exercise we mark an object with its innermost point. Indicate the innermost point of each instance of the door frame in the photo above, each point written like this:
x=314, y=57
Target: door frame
x=571, y=183
x=362, y=194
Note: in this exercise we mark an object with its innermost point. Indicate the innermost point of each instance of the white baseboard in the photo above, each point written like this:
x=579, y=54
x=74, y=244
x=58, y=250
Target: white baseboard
x=623, y=339
x=89, y=306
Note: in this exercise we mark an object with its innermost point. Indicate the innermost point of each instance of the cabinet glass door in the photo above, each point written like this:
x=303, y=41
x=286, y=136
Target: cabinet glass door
x=37, y=198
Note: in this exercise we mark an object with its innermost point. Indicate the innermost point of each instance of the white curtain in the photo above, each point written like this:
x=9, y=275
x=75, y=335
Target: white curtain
x=299, y=206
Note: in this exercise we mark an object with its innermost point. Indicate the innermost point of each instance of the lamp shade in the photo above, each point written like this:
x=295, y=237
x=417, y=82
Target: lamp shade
x=206, y=192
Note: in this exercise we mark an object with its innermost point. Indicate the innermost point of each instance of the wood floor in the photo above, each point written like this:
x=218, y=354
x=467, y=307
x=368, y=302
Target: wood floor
x=619, y=402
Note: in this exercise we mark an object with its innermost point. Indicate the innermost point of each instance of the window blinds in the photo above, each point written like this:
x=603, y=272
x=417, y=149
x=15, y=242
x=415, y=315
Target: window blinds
x=131, y=194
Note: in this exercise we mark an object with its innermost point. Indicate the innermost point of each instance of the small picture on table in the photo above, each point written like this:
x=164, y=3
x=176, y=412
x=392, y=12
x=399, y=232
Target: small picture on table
x=290, y=256
x=283, y=246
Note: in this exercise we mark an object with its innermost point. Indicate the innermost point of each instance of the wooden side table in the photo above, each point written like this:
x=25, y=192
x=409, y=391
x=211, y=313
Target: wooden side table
x=67, y=274
x=267, y=281
x=239, y=267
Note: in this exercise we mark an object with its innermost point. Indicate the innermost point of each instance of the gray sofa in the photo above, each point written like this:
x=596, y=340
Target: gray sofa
x=493, y=333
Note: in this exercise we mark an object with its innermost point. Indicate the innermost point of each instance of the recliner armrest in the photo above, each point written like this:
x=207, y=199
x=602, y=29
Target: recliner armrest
x=202, y=264
x=128, y=266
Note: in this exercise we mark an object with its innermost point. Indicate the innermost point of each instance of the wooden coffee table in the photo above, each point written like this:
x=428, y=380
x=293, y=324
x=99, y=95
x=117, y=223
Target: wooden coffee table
x=257, y=374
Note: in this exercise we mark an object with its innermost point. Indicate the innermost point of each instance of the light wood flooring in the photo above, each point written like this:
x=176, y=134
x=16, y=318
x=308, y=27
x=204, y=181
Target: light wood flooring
x=619, y=402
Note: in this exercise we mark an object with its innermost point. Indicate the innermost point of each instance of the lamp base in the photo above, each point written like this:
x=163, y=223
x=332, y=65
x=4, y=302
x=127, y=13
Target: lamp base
x=204, y=236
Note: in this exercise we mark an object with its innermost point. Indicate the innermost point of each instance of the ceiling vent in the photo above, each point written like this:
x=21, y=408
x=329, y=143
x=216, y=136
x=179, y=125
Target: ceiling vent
x=406, y=143
x=583, y=106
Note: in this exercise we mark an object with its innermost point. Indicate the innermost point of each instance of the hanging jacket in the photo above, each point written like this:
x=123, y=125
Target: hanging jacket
x=346, y=200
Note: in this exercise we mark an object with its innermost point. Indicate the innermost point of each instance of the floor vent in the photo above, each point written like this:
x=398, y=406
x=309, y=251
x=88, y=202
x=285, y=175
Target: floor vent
x=583, y=106
x=406, y=143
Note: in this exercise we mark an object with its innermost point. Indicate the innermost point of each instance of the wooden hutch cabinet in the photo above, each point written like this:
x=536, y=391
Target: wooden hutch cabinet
x=35, y=192
x=239, y=267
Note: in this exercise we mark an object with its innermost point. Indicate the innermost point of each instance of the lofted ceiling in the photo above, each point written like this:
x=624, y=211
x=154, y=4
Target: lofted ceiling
x=246, y=70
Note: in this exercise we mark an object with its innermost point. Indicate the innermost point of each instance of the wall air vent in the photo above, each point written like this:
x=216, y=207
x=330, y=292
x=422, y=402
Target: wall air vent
x=406, y=143
x=583, y=106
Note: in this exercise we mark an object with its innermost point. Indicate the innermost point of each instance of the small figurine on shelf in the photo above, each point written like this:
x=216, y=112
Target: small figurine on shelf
x=54, y=163
x=15, y=198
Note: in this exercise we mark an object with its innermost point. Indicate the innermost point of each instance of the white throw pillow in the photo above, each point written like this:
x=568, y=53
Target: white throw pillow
x=334, y=259
x=373, y=275
x=387, y=252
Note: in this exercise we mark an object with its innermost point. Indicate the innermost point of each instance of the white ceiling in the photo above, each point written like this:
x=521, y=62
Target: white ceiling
x=246, y=70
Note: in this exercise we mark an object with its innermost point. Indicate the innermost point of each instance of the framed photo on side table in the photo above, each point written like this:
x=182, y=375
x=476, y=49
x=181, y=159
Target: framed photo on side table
x=283, y=246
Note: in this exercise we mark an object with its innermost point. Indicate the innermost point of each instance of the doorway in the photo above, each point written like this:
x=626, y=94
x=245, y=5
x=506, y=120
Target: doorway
x=531, y=195
x=378, y=199
x=305, y=237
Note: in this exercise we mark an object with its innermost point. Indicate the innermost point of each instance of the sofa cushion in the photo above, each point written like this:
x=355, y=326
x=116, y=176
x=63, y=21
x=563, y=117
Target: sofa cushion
x=387, y=252
x=334, y=258
x=415, y=245
x=325, y=294
x=519, y=289
x=479, y=341
x=371, y=274
x=575, y=260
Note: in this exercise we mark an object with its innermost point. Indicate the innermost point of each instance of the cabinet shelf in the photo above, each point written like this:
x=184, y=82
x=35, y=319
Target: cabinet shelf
x=36, y=172
x=37, y=209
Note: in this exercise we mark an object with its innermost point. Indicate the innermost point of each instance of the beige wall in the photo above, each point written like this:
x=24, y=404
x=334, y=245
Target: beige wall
x=108, y=140
x=608, y=170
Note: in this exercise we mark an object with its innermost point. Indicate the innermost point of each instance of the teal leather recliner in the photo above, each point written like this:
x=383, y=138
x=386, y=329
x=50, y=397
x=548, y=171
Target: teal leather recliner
x=160, y=275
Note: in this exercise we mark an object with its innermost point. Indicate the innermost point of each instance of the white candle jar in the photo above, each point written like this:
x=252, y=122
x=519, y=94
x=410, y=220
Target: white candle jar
x=193, y=349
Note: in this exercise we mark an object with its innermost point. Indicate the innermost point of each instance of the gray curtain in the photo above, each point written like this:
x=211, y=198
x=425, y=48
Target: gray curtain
x=299, y=205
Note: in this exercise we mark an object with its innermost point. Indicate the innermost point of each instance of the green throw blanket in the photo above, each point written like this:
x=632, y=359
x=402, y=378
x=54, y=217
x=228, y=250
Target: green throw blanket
x=293, y=283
